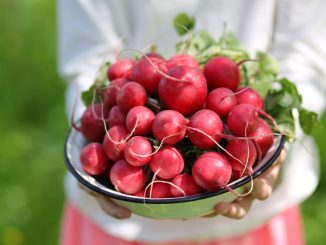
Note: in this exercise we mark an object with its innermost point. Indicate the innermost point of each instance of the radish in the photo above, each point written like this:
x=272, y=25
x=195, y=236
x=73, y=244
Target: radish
x=169, y=126
x=126, y=178
x=243, y=119
x=137, y=151
x=212, y=171
x=235, y=175
x=222, y=72
x=145, y=72
x=208, y=122
x=221, y=100
x=263, y=136
x=182, y=59
x=244, y=155
x=158, y=190
x=140, y=193
x=92, y=126
x=246, y=95
x=110, y=94
x=131, y=94
x=120, y=68
x=116, y=116
x=167, y=162
x=186, y=93
x=115, y=142
x=93, y=159
x=143, y=116
x=154, y=55
x=186, y=183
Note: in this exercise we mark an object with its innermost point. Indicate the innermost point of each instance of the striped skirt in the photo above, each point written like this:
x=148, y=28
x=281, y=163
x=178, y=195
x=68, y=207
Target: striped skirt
x=283, y=229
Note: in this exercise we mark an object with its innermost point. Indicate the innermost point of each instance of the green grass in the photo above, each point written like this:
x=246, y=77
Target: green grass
x=33, y=127
x=313, y=209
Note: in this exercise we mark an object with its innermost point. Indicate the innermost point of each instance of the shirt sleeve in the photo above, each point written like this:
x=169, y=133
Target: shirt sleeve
x=300, y=31
x=87, y=37
x=299, y=46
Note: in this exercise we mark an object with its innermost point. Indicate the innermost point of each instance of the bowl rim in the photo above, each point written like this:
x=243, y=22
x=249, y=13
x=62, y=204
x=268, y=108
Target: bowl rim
x=196, y=197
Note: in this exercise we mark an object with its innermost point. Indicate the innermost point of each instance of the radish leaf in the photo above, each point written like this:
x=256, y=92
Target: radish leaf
x=183, y=23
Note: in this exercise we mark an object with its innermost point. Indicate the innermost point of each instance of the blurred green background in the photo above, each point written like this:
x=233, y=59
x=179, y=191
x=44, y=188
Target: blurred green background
x=33, y=127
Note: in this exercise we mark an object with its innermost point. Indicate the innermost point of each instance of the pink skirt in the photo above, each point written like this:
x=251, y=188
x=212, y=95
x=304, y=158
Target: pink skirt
x=283, y=229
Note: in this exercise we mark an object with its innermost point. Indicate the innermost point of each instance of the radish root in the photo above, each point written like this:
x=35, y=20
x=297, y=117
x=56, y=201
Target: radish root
x=157, y=148
x=218, y=145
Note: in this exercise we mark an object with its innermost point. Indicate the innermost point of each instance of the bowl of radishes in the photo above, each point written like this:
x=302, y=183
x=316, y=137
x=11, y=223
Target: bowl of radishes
x=169, y=138
x=166, y=201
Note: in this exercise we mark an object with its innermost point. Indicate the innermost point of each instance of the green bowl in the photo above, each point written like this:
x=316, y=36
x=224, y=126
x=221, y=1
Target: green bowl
x=164, y=208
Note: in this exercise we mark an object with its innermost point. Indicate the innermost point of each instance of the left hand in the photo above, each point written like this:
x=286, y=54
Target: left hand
x=262, y=189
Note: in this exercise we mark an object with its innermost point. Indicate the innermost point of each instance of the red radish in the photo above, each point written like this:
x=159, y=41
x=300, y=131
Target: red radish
x=185, y=95
x=182, y=59
x=263, y=136
x=143, y=116
x=212, y=171
x=208, y=122
x=167, y=163
x=235, y=175
x=158, y=190
x=169, y=126
x=221, y=100
x=115, y=142
x=154, y=55
x=110, y=94
x=131, y=94
x=244, y=155
x=120, y=68
x=92, y=125
x=145, y=73
x=137, y=151
x=93, y=159
x=222, y=72
x=208, y=154
x=116, y=116
x=186, y=183
x=246, y=95
x=126, y=178
x=140, y=193
x=243, y=119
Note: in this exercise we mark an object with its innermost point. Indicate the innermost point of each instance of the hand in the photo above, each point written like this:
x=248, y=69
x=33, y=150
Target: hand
x=107, y=205
x=262, y=189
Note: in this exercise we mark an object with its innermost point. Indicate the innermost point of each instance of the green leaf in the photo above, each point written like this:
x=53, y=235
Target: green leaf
x=291, y=89
x=267, y=63
x=196, y=45
x=286, y=100
x=87, y=96
x=101, y=82
x=262, y=87
x=153, y=48
x=308, y=121
x=184, y=23
x=228, y=40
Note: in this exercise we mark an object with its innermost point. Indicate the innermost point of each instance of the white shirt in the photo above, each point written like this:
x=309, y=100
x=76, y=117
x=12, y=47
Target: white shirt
x=91, y=30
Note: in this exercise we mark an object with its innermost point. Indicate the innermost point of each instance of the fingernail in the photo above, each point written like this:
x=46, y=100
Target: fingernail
x=120, y=215
x=223, y=211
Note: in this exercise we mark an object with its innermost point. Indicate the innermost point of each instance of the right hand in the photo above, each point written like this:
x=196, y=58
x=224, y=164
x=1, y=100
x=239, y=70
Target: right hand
x=107, y=205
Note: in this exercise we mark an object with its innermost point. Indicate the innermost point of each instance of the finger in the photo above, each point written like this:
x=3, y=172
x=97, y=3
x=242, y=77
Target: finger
x=235, y=210
x=262, y=189
x=110, y=208
x=263, y=185
x=89, y=191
